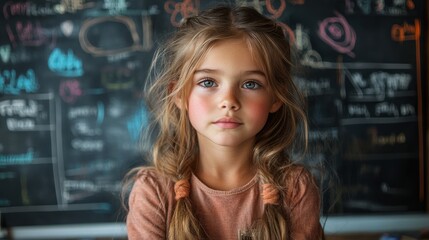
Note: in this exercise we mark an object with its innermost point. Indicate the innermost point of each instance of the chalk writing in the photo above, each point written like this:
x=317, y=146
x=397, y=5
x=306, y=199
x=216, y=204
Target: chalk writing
x=386, y=188
x=379, y=84
x=410, y=4
x=406, y=32
x=393, y=138
x=118, y=57
x=85, y=128
x=117, y=78
x=18, y=107
x=5, y=53
x=379, y=7
x=359, y=110
x=407, y=110
x=82, y=111
x=115, y=6
x=288, y=31
x=13, y=83
x=11, y=9
x=65, y=64
x=310, y=57
x=28, y=34
x=311, y=87
x=86, y=120
x=323, y=135
x=18, y=55
x=302, y=39
x=91, y=186
x=72, y=6
x=115, y=108
x=28, y=8
x=15, y=159
x=99, y=165
x=87, y=145
x=70, y=90
x=14, y=124
x=180, y=10
x=128, y=24
x=337, y=33
x=256, y=4
x=379, y=113
x=274, y=7
x=365, y=5
x=67, y=28
x=276, y=12
x=81, y=185
x=387, y=109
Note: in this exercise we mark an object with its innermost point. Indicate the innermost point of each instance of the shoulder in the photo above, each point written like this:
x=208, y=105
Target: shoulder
x=299, y=185
x=150, y=184
x=296, y=173
x=150, y=205
x=149, y=174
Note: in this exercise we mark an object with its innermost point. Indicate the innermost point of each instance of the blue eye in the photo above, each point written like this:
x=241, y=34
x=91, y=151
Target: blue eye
x=251, y=85
x=207, y=83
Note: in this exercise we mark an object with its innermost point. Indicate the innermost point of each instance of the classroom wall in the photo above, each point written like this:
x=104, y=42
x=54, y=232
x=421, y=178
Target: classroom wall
x=71, y=112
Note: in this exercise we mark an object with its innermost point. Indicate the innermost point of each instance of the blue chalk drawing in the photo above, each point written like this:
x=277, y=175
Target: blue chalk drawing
x=65, y=64
x=13, y=83
x=136, y=123
x=16, y=159
x=100, y=113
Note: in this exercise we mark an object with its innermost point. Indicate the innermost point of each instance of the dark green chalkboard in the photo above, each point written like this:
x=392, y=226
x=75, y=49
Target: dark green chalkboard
x=71, y=74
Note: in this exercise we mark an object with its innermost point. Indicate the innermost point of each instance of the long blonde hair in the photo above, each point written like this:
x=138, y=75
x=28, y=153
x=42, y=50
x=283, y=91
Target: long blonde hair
x=175, y=149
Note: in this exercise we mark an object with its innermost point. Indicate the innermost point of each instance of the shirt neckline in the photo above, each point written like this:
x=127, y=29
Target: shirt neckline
x=197, y=182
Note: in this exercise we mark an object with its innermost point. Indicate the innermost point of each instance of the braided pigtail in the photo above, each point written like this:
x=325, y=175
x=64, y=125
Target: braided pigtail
x=184, y=224
x=273, y=223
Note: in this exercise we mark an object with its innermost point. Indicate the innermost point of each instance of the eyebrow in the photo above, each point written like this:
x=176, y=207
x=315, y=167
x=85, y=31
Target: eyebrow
x=250, y=72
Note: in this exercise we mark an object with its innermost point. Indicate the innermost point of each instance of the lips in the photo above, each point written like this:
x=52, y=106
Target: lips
x=228, y=123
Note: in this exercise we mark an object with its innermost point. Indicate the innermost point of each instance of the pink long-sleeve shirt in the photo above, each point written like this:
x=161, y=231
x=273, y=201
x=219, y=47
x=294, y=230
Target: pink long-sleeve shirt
x=222, y=213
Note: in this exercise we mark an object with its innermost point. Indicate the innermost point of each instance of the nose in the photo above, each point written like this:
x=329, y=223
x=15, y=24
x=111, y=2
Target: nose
x=229, y=100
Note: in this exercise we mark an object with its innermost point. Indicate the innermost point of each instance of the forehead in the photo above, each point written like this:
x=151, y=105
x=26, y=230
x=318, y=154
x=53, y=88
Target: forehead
x=231, y=54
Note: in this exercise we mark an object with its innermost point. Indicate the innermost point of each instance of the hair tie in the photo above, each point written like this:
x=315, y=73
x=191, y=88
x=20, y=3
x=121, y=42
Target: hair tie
x=270, y=194
x=181, y=188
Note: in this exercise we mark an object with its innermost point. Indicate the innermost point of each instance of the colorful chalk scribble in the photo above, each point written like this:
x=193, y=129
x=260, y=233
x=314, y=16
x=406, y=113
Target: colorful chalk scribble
x=337, y=33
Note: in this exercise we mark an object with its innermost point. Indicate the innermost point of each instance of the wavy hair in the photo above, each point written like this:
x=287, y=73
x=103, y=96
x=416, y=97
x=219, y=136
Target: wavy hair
x=175, y=148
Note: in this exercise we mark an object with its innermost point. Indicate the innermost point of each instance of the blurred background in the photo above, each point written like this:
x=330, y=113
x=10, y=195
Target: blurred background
x=71, y=111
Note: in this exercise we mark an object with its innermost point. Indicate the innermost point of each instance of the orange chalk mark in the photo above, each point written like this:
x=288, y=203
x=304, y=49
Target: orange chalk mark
x=405, y=32
x=410, y=4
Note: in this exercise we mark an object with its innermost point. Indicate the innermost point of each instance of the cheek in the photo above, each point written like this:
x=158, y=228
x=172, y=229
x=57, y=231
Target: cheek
x=259, y=110
x=197, y=107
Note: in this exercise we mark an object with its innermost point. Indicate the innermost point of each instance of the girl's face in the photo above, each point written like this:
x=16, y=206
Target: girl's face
x=230, y=99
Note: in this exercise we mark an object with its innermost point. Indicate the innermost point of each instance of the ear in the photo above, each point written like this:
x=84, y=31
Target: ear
x=275, y=106
x=178, y=102
x=177, y=99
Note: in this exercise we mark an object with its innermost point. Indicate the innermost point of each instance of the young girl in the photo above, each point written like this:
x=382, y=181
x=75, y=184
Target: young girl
x=228, y=117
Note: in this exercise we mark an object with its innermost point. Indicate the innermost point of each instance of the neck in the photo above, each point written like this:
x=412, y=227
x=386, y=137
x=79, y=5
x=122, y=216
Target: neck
x=225, y=168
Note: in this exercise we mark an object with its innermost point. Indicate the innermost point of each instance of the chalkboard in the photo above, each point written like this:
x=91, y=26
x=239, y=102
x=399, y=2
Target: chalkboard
x=71, y=74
